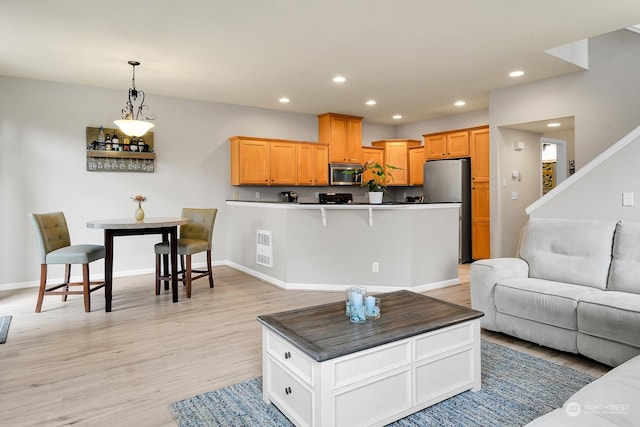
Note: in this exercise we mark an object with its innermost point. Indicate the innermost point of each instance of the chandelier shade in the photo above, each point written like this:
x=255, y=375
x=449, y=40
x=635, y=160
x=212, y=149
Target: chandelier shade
x=132, y=127
x=130, y=123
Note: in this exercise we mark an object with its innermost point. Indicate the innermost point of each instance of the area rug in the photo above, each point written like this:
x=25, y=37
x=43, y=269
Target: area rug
x=516, y=388
x=5, y=321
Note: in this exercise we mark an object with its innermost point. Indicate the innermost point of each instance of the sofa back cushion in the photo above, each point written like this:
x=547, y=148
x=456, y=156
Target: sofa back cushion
x=568, y=250
x=625, y=266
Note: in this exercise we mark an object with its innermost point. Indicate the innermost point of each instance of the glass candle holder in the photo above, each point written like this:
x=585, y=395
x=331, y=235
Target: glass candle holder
x=372, y=308
x=354, y=296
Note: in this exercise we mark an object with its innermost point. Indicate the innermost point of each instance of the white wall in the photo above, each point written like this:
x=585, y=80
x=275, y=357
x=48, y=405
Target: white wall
x=604, y=102
x=595, y=192
x=42, y=167
x=471, y=119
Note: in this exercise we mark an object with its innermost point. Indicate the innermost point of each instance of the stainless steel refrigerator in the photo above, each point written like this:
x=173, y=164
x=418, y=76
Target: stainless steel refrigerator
x=449, y=181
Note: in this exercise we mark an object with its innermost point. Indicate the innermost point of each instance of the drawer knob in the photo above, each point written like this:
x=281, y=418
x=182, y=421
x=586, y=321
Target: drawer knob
x=287, y=355
x=287, y=390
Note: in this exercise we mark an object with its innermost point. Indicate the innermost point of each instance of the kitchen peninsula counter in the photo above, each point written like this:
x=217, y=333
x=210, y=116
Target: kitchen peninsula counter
x=334, y=246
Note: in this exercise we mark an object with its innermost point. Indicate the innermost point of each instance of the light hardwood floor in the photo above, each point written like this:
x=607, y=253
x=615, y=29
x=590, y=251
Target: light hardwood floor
x=64, y=366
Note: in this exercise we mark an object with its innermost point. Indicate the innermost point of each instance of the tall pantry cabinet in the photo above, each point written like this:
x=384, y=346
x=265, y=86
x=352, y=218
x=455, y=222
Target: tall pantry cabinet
x=480, y=195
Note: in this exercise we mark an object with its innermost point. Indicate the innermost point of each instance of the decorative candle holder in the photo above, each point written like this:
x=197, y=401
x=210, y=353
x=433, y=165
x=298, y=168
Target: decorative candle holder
x=354, y=302
x=372, y=308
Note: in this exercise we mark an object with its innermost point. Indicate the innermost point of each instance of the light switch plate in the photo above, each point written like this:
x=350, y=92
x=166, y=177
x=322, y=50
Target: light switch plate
x=627, y=199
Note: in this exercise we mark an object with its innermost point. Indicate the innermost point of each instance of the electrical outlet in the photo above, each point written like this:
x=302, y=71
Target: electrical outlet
x=375, y=267
x=257, y=194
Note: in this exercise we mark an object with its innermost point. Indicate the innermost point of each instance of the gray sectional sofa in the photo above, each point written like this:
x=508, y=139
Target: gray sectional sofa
x=574, y=286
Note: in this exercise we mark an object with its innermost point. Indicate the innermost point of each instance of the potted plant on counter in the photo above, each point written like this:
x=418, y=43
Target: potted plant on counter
x=377, y=179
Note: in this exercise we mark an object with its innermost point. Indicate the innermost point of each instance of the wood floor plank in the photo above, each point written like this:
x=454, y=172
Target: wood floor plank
x=64, y=366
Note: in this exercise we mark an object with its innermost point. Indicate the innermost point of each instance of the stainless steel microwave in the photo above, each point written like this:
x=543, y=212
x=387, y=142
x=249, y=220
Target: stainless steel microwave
x=345, y=174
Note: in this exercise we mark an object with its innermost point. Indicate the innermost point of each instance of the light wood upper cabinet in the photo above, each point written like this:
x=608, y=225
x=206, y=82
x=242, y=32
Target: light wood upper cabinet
x=448, y=145
x=480, y=194
x=416, y=165
x=396, y=153
x=321, y=161
x=312, y=164
x=284, y=169
x=375, y=154
x=261, y=161
x=250, y=161
x=343, y=134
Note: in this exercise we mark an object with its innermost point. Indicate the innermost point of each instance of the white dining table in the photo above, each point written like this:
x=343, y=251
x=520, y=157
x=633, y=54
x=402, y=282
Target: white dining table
x=167, y=227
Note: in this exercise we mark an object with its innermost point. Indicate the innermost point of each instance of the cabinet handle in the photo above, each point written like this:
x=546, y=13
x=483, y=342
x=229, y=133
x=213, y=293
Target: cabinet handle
x=287, y=390
x=287, y=355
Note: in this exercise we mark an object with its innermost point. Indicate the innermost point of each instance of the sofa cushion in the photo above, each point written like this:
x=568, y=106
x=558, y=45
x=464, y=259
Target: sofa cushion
x=611, y=315
x=625, y=266
x=611, y=400
x=544, y=301
x=570, y=251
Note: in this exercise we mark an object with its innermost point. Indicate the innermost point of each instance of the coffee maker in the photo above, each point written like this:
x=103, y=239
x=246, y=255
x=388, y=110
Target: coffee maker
x=289, y=196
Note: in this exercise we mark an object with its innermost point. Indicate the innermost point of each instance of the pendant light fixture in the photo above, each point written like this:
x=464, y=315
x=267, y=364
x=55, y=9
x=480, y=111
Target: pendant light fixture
x=135, y=124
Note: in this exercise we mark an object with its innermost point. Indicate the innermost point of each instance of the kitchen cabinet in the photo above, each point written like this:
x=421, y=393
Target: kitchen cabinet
x=375, y=154
x=480, y=194
x=446, y=145
x=283, y=167
x=416, y=165
x=262, y=161
x=250, y=161
x=312, y=164
x=396, y=153
x=343, y=134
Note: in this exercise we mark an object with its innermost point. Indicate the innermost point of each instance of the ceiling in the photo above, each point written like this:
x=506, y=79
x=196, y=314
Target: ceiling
x=414, y=57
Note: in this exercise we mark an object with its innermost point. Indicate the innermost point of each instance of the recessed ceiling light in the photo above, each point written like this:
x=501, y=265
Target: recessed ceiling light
x=339, y=79
x=553, y=125
x=460, y=103
x=284, y=100
x=517, y=73
x=371, y=102
x=397, y=116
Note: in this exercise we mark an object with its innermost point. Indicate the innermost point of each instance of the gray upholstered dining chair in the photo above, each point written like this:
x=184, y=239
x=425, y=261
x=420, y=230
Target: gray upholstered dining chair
x=54, y=245
x=195, y=237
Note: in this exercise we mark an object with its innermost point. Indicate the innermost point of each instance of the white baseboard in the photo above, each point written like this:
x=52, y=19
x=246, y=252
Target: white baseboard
x=264, y=277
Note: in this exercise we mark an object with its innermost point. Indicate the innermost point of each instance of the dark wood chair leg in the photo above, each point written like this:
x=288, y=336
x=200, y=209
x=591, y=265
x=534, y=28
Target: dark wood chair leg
x=43, y=284
x=187, y=275
x=158, y=261
x=67, y=279
x=209, y=270
x=85, y=288
x=165, y=261
x=183, y=269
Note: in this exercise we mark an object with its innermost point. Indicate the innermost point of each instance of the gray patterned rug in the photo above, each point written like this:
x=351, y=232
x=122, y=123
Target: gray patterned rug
x=516, y=388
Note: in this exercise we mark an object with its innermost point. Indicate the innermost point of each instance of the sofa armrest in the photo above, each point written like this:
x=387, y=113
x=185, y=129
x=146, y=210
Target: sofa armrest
x=485, y=274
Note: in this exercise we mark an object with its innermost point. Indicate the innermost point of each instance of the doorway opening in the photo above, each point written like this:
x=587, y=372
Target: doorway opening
x=553, y=161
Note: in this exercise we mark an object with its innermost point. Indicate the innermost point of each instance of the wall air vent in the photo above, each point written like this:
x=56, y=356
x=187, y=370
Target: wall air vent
x=264, y=248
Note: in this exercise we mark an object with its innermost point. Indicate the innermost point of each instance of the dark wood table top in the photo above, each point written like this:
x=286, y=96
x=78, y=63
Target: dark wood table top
x=324, y=331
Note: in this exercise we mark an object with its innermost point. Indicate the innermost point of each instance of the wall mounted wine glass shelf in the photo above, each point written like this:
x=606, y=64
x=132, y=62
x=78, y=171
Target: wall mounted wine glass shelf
x=125, y=155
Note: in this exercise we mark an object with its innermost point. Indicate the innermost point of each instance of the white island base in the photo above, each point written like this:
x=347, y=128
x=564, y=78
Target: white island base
x=332, y=247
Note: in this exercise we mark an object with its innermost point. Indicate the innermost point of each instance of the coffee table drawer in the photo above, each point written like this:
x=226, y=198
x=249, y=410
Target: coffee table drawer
x=292, y=358
x=369, y=402
x=291, y=396
x=441, y=377
x=443, y=340
x=372, y=362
